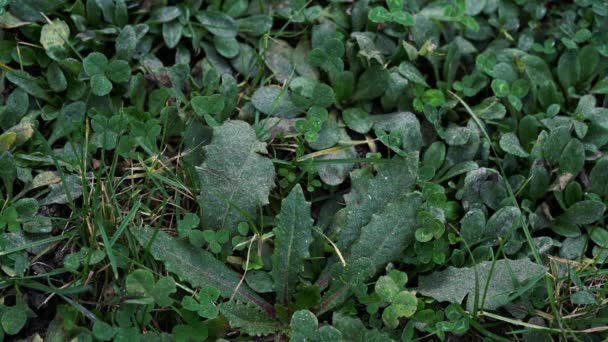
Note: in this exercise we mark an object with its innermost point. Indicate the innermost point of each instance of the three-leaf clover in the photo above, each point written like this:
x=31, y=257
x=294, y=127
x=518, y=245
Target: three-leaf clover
x=10, y=219
x=215, y=239
x=311, y=126
x=103, y=73
x=329, y=56
x=141, y=283
x=402, y=303
x=514, y=93
x=204, y=303
x=395, y=14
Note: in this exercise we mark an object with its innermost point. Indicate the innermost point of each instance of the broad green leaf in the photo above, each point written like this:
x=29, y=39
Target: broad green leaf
x=409, y=71
x=490, y=109
x=433, y=97
x=54, y=34
x=503, y=222
x=235, y=179
x=369, y=195
x=387, y=288
x=510, y=144
x=8, y=170
x=55, y=78
x=218, y=23
x=165, y=13
x=13, y=320
x=404, y=304
x=379, y=15
x=279, y=59
x=304, y=326
x=293, y=236
x=274, y=101
x=95, y=64
x=141, y=283
x=227, y=47
x=249, y=319
x=389, y=232
x=197, y=266
x=454, y=284
x=103, y=331
x=100, y=85
x=572, y=158
x=208, y=105
x=434, y=156
x=126, y=43
x=500, y=87
x=520, y=88
x=568, y=68
x=28, y=83
x=583, y=212
x=406, y=124
x=119, y=71
x=372, y=83
x=599, y=177
x=336, y=173
x=358, y=120
x=172, y=33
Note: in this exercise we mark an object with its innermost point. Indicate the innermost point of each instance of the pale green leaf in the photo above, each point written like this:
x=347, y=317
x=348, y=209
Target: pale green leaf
x=54, y=34
x=510, y=144
x=454, y=284
x=235, y=180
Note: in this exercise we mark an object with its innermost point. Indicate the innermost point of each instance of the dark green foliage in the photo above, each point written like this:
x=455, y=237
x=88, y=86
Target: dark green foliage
x=374, y=170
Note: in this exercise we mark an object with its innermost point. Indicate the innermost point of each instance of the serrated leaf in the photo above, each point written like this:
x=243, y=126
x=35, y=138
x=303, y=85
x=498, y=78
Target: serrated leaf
x=249, y=319
x=234, y=175
x=370, y=195
x=389, y=231
x=293, y=236
x=198, y=267
x=454, y=284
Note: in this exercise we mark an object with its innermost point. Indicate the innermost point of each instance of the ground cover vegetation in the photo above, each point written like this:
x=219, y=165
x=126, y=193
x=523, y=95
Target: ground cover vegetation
x=299, y=170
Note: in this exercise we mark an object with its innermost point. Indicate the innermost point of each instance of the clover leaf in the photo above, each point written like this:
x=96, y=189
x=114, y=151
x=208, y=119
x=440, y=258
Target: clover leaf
x=141, y=283
x=395, y=14
x=204, y=302
x=329, y=56
x=103, y=73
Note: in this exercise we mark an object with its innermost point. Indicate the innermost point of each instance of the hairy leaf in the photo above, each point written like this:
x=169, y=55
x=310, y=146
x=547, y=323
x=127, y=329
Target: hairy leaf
x=293, y=236
x=249, y=319
x=198, y=267
x=454, y=284
x=235, y=179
